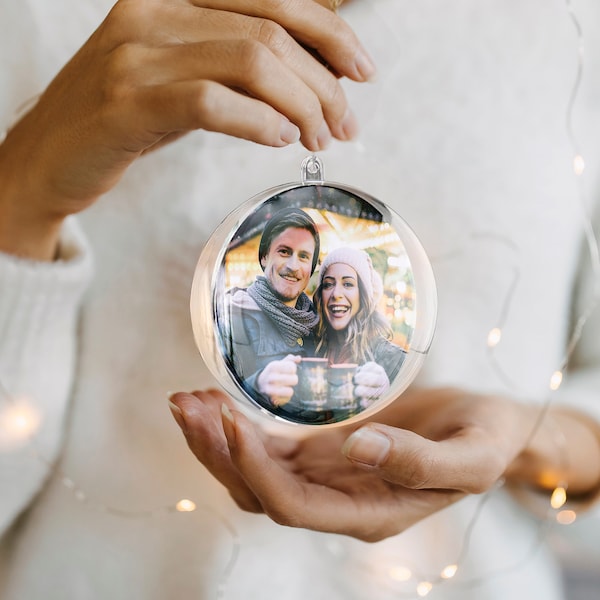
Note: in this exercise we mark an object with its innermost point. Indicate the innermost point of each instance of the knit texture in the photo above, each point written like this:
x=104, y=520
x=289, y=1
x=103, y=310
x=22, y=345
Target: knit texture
x=293, y=322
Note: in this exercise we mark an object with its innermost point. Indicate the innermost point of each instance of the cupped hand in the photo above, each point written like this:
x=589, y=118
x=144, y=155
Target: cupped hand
x=371, y=485
x=264, y=71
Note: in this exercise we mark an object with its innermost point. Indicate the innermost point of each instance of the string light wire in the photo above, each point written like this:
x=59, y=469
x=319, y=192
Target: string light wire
x=559, y=494
x=22, y=431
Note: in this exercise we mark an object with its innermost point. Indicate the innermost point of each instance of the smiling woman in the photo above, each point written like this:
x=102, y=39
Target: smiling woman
x=351, y=328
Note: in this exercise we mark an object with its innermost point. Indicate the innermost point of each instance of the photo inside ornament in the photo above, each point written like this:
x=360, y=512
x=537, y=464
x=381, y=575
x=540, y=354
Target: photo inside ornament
x=314, y=303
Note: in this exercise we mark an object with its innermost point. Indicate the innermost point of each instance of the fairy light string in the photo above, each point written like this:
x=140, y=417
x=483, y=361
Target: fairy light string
x=558, y=496
x=20, y=423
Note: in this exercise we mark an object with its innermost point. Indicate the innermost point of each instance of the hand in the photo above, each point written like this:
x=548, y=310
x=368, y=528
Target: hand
x=383, y=479
x=153, y=71
x=278, y=379
x=378, y=492
x=370, y=383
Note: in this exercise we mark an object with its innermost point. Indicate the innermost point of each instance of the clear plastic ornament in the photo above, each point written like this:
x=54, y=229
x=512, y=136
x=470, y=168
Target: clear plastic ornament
x=314, y=303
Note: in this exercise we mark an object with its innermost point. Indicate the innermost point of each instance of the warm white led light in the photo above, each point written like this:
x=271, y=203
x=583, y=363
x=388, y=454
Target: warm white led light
x=566, y=517
x=400, y=573
x=578, y=164
x=556, y=380
x=559, y=497
x=185, y=505
x=449, y=572
x=494, y=337
x=18, y=422
x=424, y=588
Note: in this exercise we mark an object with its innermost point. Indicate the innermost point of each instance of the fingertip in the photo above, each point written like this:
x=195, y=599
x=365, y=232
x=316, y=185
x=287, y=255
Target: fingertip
x=192, y=411
x=288, y=132
x=367, y=447
x=179, y=406
x=310, y=144
x=323, y=136
x=365, y=66
x=177, y=414
x=319, y=141
x=226, y=412
x=173, y=397
x=347, y=128
x=214, y=392
x=229, y=425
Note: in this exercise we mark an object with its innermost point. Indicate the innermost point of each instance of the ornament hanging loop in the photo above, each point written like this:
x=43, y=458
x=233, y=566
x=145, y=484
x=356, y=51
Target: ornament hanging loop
x=311, y=170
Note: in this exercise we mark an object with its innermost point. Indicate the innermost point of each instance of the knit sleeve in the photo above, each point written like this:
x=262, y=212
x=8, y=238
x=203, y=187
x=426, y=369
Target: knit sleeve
x=39, y=307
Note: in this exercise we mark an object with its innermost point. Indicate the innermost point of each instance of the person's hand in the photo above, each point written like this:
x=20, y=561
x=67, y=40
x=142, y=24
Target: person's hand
x=371, y=485
x=278, y=379
x=370, y=382
x=153, y=70
x=437, y=446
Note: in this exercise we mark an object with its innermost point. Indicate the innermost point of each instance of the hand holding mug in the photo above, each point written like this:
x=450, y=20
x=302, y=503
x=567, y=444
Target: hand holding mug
x=370, y=382
x=278, y=379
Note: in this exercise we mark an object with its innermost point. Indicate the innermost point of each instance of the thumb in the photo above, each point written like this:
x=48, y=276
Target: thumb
x=463, y=462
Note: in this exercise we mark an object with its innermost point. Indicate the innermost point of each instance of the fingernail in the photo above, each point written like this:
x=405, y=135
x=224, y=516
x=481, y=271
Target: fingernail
x=349, y=125
x=323, y=136
x=365, y=66
x=288, y=132
x=227, y=413
x=228, y=425
x=176, y=412
x=367, y=447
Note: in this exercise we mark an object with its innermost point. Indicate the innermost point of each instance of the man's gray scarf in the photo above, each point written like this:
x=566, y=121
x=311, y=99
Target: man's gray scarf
x=292, y=323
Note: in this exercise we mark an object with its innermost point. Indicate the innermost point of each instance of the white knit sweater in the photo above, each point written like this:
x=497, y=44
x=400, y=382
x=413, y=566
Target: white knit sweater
x=464, y=135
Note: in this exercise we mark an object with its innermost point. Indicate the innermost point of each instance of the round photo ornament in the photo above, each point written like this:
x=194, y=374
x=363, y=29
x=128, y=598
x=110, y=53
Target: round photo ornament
x=314, y=303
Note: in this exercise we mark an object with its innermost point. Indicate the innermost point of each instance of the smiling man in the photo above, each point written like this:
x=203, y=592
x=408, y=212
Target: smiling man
x=271, y=322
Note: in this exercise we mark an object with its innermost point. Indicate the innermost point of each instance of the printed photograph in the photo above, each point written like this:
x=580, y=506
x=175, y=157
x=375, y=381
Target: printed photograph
x=316, y=305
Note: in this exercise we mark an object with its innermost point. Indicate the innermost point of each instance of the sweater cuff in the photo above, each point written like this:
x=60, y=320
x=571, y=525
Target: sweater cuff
x=39, y=301
x=39, y=309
